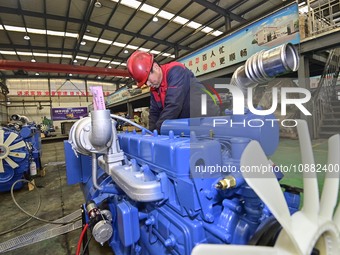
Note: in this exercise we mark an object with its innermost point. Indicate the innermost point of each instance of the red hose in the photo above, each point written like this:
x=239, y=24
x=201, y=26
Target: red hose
x=81, y=238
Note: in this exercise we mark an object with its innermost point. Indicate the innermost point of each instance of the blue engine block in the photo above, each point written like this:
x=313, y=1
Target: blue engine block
x=168, y=195
x=19, y=147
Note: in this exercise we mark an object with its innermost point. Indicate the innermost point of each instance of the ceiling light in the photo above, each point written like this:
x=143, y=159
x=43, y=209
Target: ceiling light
x=305, y=9
x=36, y=74
x=149, y=9
x=70, y=74
x=109, y=67
x=66, y=35
x=181, y=20
x=98, y=4
x=207, y=29
x=38, y=31
x=166, y=15
x=99, y=77
x=126, y=51
x=65, y=56
x=155, y=19
x=33, y=60
x=138, y=5
x=26, y=37
x=25, y=53
x=194, y=24
x=75, y=61
x=216, y=33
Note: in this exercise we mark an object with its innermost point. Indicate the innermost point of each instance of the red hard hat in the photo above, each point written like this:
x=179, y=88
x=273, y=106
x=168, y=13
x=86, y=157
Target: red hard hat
x=139, y=66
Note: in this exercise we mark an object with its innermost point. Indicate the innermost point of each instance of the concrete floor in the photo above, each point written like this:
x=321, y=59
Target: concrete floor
x=59, y=199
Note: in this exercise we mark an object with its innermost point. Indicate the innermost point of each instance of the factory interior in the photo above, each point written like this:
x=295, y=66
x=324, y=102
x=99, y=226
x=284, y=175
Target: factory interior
x=91, y=162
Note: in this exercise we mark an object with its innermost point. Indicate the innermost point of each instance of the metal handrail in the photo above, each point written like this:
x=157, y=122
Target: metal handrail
x=322, y=17
x=325, y=91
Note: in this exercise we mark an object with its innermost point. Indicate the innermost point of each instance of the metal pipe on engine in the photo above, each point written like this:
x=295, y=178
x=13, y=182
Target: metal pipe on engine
x=94, y=172
x=266, y=65
x=101, y=129
x=22, y=118
x=101, y=136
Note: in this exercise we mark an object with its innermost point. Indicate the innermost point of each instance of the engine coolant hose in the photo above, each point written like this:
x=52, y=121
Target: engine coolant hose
x=131, y=122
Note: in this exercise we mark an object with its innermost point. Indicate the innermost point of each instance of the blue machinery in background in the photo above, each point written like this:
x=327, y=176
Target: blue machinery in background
x=20, y=152
x=165, y=193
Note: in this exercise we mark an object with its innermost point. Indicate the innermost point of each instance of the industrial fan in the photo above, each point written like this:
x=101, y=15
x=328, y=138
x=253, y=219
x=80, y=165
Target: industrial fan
x=14, y=158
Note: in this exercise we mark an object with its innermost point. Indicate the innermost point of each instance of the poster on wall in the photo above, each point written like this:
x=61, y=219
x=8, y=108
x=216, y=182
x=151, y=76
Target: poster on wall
x=278, y=28
x=68, y=113
x=118, y=96
x=125, y=93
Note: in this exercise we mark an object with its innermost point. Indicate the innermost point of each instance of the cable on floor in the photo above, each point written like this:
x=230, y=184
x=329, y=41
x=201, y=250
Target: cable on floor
x=33, y=215
x=29, y=219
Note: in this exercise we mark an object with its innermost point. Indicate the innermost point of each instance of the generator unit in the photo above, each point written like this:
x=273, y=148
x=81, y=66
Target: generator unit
x=20, y=152
x=169, y=192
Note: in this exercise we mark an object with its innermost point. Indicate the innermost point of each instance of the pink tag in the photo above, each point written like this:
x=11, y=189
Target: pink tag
x=98, y=98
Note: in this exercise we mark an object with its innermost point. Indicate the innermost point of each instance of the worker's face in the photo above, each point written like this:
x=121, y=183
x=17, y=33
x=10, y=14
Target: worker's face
x=155, y=76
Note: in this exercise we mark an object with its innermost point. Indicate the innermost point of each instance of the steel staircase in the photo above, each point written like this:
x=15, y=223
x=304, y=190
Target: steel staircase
x=326, y=98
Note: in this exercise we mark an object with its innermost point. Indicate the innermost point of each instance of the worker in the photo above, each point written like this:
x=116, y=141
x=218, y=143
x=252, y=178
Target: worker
x=175, y=91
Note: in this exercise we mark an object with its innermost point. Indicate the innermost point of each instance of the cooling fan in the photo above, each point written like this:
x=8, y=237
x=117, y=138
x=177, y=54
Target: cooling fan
x=44, y=128
x=12, y=150
x=312, y=230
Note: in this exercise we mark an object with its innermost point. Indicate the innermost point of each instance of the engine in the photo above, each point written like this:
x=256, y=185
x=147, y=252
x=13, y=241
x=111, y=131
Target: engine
x=20, y=152
x=164, y=193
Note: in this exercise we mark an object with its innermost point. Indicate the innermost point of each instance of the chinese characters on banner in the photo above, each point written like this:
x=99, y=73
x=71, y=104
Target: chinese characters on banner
x=269, y=32
x=55, y=93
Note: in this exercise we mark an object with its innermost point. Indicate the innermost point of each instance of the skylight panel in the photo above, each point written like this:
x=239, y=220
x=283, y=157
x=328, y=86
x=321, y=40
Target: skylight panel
x=15, y=29
x=165, y=15
x=207, y=29
x=131, y=3
x=216, y=33
x=105, y=41
x=194, y=24
x=181, y=20
x=118, y=44
x=149, y=9
x=90, y=38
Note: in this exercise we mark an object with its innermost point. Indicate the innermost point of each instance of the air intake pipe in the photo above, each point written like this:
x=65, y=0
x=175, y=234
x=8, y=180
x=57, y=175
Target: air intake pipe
x=17, y=117
x=101, y=129
x=93, y=134
x=266, y=65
